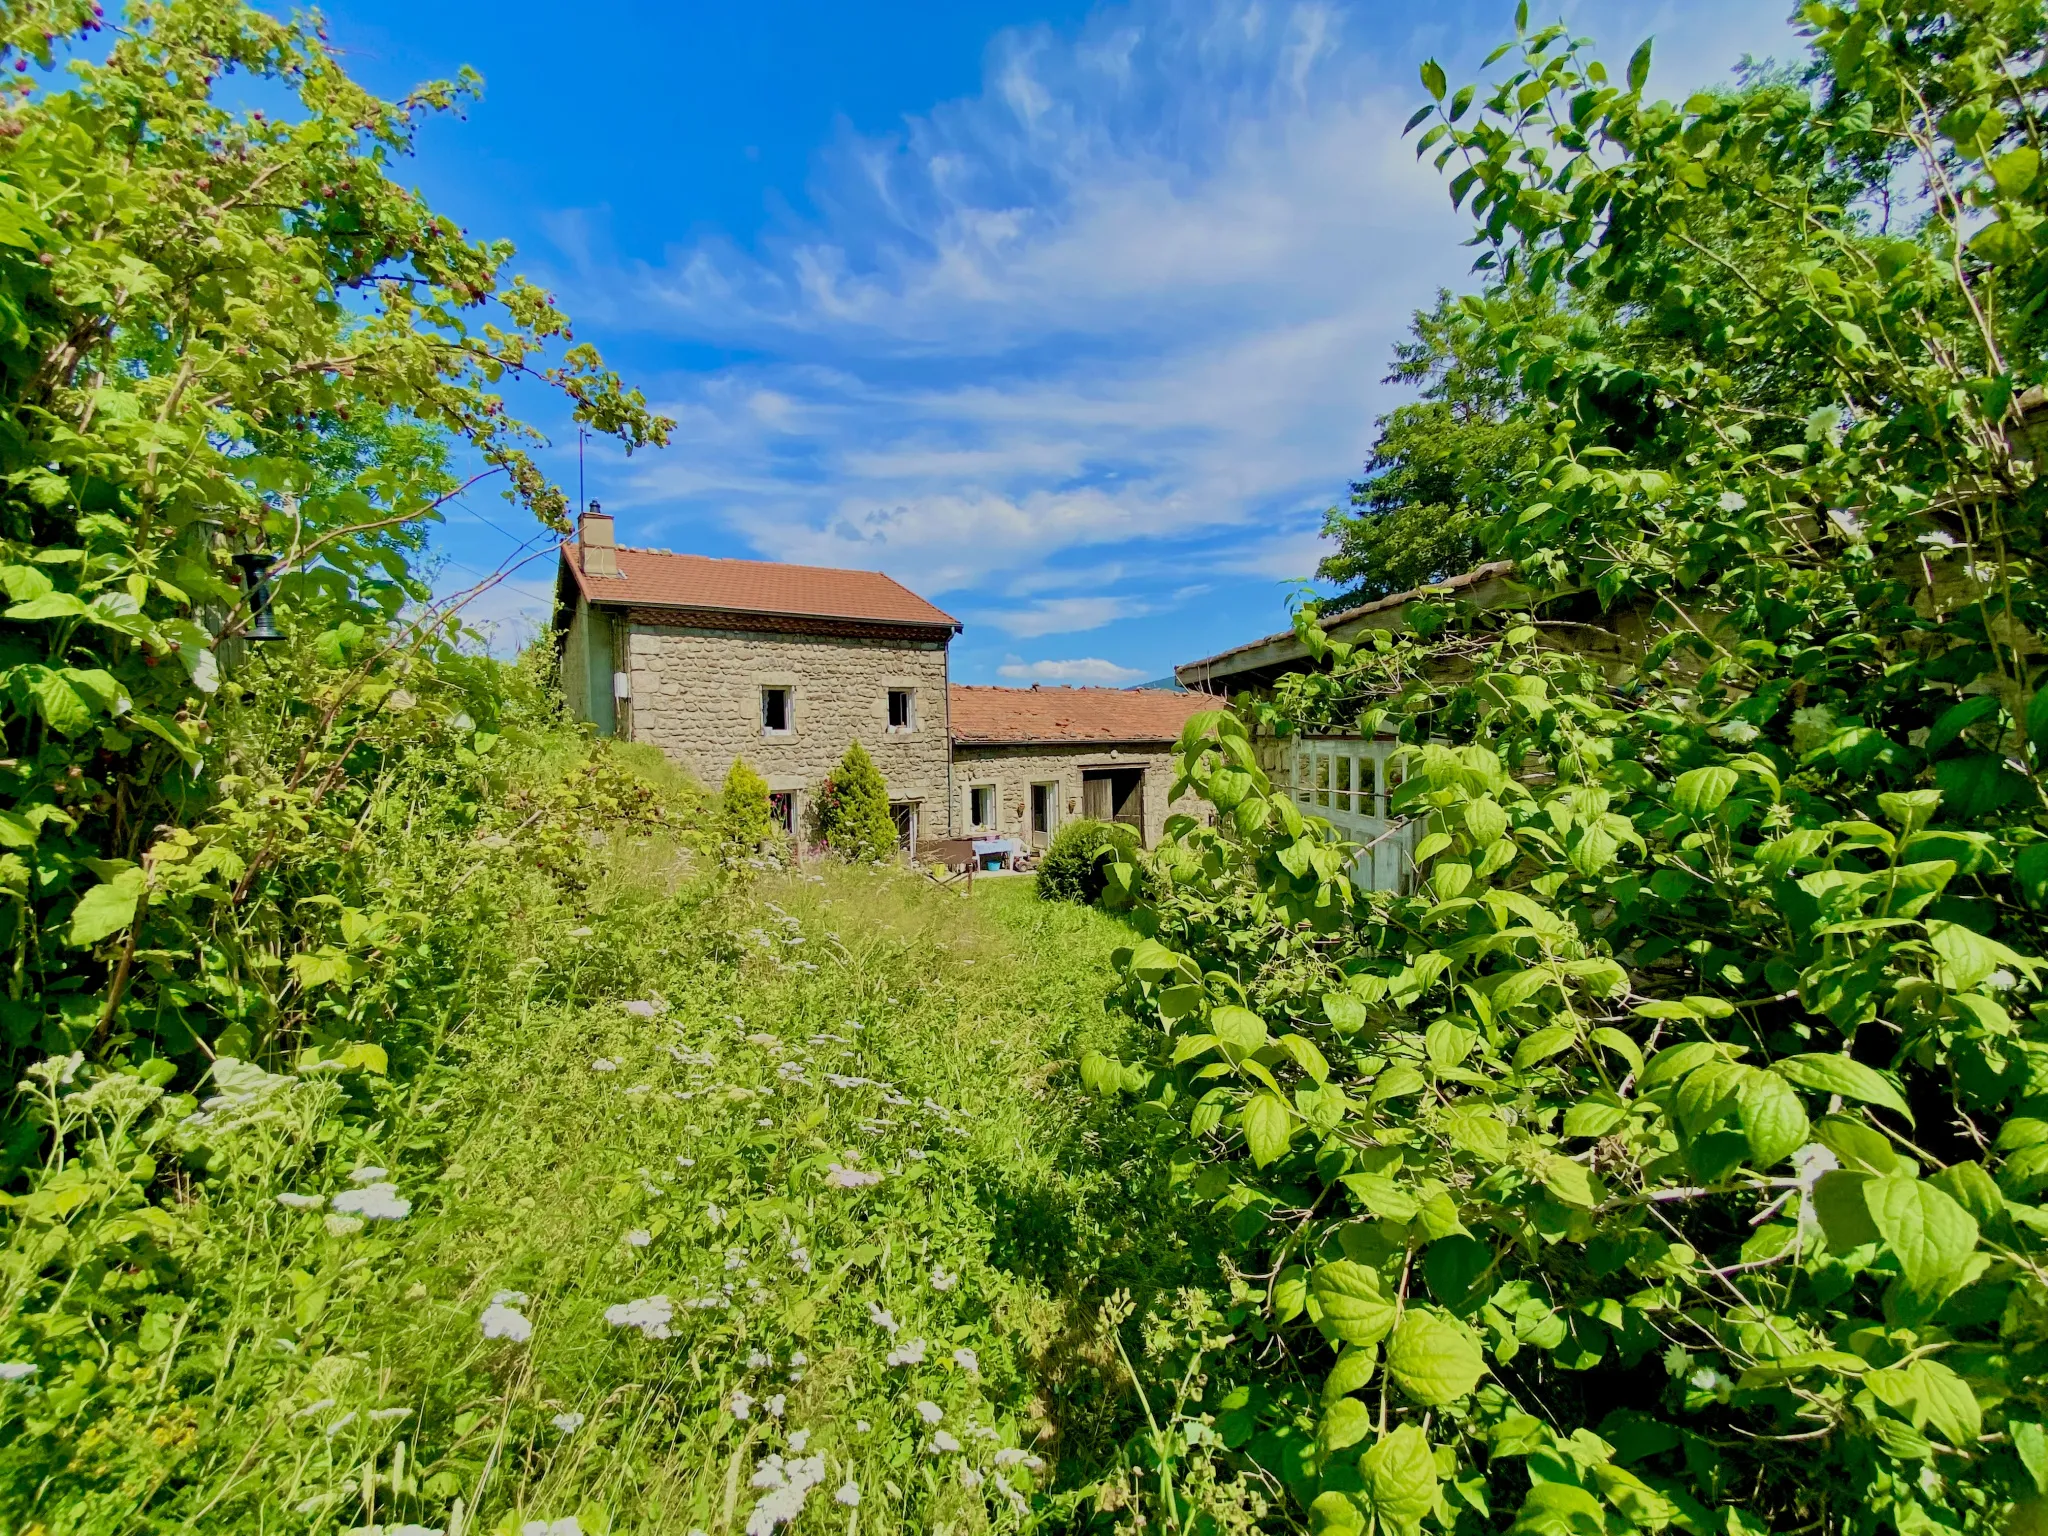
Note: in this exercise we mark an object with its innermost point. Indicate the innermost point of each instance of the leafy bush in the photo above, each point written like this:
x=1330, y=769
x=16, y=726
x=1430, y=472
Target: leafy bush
x=853, y=810
x=1672, y=1155
x=743, y=815
x=1075, y=867
x=208, y=353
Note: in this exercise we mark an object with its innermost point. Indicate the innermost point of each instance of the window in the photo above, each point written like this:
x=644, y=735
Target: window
x=775, y=711
x=981, y=807
x=902, y=712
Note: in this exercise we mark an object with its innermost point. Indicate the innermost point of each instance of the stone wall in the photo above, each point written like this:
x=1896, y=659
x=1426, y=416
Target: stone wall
x=1013, y=770
x=696, y=694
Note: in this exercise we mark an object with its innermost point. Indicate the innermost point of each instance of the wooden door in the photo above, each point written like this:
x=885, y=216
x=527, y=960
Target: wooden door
x=1096, y=803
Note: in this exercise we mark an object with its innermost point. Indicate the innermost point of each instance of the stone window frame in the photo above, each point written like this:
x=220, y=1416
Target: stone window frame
x=765, y=684
x=909, y=692
x=995, y=808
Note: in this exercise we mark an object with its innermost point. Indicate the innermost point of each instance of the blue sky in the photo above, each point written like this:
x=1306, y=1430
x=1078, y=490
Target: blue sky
x=1070, y=317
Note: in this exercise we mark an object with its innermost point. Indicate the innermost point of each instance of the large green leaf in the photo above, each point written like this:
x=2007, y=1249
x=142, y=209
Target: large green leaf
x=106, y=909
x=1700, y=792
x=1825, y=1073
x=1400, y=1479
x=1355, y=1309
x=1930, y=1234
x=1432, y=1359
x=1772, y=1117
x=1345, y=1422
x=1268, y=1127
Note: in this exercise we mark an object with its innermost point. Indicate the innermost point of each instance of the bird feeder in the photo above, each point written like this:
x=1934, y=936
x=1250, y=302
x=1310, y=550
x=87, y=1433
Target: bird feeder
x=257, y=570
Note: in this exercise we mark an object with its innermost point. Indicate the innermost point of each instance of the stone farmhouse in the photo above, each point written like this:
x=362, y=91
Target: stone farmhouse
x=788, y=665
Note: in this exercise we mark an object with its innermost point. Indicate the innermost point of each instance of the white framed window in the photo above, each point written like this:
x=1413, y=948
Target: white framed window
x=902, y=710
x=778, y=715
x=981, y=807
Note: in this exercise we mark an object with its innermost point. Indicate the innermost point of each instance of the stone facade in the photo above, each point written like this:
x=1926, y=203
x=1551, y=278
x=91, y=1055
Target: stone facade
x=1014, y=769
x=696, y=694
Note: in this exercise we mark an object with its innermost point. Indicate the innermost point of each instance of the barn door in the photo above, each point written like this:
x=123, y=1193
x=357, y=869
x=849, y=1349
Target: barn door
x=1096, y=803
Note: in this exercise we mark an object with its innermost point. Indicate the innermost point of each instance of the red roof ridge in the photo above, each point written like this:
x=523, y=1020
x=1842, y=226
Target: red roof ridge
x=664, y=578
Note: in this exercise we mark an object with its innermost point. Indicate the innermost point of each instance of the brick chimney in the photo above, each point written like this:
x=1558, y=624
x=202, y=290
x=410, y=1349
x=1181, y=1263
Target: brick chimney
x=600, y=556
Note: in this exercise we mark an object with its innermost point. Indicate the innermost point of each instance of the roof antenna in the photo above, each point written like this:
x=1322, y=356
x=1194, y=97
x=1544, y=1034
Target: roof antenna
x=581, y=437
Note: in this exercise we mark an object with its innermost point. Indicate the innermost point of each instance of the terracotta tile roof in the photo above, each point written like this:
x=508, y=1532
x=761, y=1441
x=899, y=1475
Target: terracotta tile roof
x=1013, y=716
x=654, y=578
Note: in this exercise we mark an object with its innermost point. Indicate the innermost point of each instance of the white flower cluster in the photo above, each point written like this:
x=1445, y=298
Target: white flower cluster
x=911, y=1353
x=374, y=1202
x=566, y=1526
x=788, y=1484
x=502, y=1319
x=837, y=1177
x=650, y=1314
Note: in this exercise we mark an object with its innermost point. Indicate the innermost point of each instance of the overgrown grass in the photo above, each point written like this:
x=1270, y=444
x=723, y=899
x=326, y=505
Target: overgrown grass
x=823, y=1130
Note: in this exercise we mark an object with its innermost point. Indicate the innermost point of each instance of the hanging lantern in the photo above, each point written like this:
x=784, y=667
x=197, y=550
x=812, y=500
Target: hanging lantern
x=256, y=571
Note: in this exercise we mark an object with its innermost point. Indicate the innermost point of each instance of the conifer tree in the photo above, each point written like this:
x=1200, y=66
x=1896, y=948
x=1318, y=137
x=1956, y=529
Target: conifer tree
x=853, y=809
x=744, y=820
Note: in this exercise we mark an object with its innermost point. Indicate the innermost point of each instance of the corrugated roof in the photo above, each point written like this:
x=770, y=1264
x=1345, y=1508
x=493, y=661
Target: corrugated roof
x=1330, y=621
x=655, y=578
x=988, y=717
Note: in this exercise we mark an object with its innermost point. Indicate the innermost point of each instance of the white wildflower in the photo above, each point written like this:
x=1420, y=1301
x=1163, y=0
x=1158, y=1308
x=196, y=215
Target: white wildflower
x=740, y=1405
x=377, y=1202
x=301, y=1202
x=508, y=1298
x=764, y=1122
x=848, y=1494
x=339, y=1424
x=638, y=1089
x=16, y=1370
x=969, y=1478
x=388, y=1415
x=943, y=1443
x=581, y=933
x=849, y=1178
x=799, y=1440
x=789, y=1485
x=604, y=1064
x=343, y=1226
x=715, y=1214
x=650, y=1314
x=502, y=1322
x=906, y=1354
x=567, y=1423
x=968, y=1361
x=315, y=1407
x=645, y=1007
x=879, y=1316
x=414, y=1530
x=759, y=1360
x=566, y=1526
x=735, y=1258
x=1733, y=501
x=861, y=1426
x=775, y=1405
x=942, y=1280
x=639, y=1237
x=930, y=1412
x=368, y=1175
x=686, y=1162
x=1010, y=1456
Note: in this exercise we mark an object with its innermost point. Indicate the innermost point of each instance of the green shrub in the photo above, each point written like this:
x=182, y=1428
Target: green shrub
x=1074, y=868
x=853, y=810
x=744, y=821
x=1671, y=1154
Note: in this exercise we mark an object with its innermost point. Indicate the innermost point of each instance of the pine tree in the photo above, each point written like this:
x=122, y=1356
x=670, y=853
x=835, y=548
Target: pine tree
x=853, y=810
x=743, y=816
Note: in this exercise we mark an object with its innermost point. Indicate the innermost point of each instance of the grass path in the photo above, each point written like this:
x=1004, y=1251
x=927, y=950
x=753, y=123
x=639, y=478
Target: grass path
x=783, y=1204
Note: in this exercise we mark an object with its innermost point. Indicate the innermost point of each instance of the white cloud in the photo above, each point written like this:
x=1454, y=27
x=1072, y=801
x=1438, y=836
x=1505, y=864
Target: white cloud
x=1063, y=615
x=1130, y=307
x=1088, y=671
